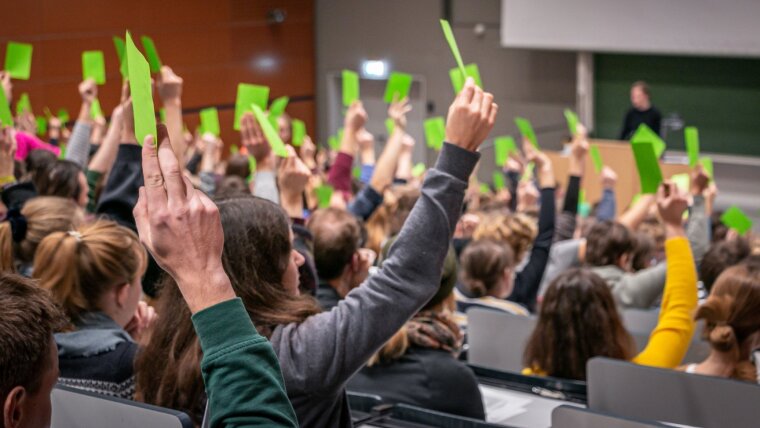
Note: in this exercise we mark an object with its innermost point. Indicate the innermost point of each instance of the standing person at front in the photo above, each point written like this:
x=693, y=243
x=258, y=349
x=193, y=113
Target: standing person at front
x=642, y=111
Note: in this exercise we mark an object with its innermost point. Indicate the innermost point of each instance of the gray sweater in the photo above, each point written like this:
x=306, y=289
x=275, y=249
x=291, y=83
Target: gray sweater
x=319, y=355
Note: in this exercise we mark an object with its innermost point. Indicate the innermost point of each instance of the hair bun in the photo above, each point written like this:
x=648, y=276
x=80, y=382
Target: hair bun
x=723, y=337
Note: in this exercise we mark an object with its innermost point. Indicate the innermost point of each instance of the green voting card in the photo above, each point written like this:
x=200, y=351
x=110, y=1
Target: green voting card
x=526, y=130
x=42, y=125
x=151, y=53
x=645, y=133
x=271, y=134
x=356, y=172
x=23, y=105
x=210, y=120
x=682, y=181
x=418, y=170
x=333, y=143
x=596, y=158
x=398, y=86
x=485, y=188
x=95, y=110
x=350, y=87
x=141, y=90
x=63, y=116
x=390, y=125
x=277, y=109
x=707, y=164
x=324, y=195
x=691, y=138
x=18, y=60
x=498, y=181
x=735, y=218
x=453, y=45
x=118, y=43
x=648, y=166
x=572, y=121
x=248, y=94
x=6, y=118
x=457, y=80
x=251, y=167
x=94, y=66
x=162, y=114
x=234, y=149
x=298, y=132
x=503, y=147
x=435, y=132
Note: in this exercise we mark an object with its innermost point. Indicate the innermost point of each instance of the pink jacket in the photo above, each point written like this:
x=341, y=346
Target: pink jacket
x=25, y=143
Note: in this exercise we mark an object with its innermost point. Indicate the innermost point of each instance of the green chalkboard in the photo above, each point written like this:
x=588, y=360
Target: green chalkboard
x=720, y=96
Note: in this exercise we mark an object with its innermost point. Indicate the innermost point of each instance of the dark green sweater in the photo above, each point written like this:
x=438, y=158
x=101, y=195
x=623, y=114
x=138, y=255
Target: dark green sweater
x=241, y=372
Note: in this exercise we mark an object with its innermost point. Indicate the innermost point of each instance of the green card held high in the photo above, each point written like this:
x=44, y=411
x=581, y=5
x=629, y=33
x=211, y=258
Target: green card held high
x=210, y=120
x=691, y=138
x=648, y=166
x=94, y=66
x=596, y=158
x=350, y=87
x=18, y=60
x=503, y=147
x=324, y=195
x=271, y=134
x=435, y=132
x=735, y=218
x=6, y=118
x=248, y=94
x=449, y=35
x=141, y=90
x=498, y=181
x=457, y=80
x=398, y=86
x=118, y=43
x=645, y=133
x=277, y=109
x=298, y=132
x=152, y=53
x=95, y=110
x=526, y=130
x=572, y=121
x=418, y=170
x=23, y=105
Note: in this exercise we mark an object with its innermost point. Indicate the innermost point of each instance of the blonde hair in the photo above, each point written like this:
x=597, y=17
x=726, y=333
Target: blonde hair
x=517, y=230
x=44, y=215
x=79, y=266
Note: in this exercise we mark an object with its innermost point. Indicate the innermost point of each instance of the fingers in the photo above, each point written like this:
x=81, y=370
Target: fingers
x=485, y=106
x=468, y=91
x=477, y=99
x=155, y=195
x=140, y=213
x=492, y=116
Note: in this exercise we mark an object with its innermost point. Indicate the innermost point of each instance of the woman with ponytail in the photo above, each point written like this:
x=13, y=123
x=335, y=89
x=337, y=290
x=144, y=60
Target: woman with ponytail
x=23, y=230
x=732, y=321
x=93, y=274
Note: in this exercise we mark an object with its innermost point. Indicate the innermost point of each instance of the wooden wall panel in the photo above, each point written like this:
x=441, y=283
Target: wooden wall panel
x=212, y=45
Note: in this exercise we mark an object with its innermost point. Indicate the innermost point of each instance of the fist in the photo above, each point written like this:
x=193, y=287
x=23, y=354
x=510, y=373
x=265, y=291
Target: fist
x=471, y=117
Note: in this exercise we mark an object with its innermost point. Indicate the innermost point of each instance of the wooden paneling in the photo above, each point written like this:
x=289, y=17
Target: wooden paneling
x=212, y=45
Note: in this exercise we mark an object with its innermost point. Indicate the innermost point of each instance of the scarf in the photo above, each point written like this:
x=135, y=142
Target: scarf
x=95, y=334
x=435, y=330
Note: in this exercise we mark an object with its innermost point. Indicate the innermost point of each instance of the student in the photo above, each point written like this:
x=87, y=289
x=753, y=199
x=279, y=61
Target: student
x=22, y=231
x=66, y=179
x=28, y=361
x=419, y=365
x=487, y=277
x=721, y=256
x=642, y=111
x=732, y=322
x=93, y=273
x=263, y=268
x=579, y=319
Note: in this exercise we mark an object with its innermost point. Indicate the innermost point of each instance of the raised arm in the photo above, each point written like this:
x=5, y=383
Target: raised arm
x=169, y=87
x=78, y=149
x=182, y=229
x=637, y=212
x=607, y=207
x=670, y=339
x=373, y=312
x=566, y=220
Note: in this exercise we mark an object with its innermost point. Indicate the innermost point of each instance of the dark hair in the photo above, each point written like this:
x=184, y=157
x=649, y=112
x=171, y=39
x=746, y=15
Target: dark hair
x=721, y=256
x=37, y=162
x=578, y=320
x=719, y=230
x=237, y=165
x=606, y=242
x=337, y=236
x=483, y=263
x=643, y=251
x=29, y=319
x=232, y=186
x=61, y=178
x=641, y=85
x=257, y=251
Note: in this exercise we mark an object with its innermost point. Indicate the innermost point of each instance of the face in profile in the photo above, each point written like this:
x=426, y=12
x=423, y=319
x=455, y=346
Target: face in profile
x=31, y=409
x=639, y=99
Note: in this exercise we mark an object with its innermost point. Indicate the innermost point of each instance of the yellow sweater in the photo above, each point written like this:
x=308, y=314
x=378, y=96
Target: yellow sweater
x=671, y=338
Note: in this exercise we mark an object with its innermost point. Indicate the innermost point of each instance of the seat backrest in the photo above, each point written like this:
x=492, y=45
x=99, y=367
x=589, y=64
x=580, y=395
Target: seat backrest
x=497, y=339
x=629, y=390
x=640, y=320
x=77, y=408
x=578, y=417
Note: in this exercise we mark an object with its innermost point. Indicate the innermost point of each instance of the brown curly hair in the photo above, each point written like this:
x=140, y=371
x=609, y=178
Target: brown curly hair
x=517, y=230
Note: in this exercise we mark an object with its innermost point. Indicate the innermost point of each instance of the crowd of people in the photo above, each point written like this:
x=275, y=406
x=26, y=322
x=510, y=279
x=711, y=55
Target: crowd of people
x=169, y=272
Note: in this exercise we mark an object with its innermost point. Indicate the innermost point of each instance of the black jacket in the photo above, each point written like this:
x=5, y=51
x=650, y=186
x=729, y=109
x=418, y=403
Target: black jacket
x=428, y=378
x=634, y=118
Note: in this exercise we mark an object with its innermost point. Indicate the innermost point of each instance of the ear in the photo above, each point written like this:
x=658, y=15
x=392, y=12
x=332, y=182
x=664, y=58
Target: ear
x=122, y=294
x=624, y=260
x=356, y=262
x=13, y=407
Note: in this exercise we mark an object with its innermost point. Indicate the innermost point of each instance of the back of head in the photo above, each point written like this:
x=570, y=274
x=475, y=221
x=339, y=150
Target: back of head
x=61, y=178
x=237, y=165
x=578, y=320
x=78, y=267
x=721, y=256
x=232, y=186
x=337, y=236
x=483, y=264
x=517, y=230
x=28, y=320
x=40, y=217
x=406, y=198
x=607, y=242
x=37, y=162
x=644, y=251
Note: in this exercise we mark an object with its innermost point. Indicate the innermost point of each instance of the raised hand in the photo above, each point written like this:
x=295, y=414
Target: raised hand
x=169, y=85
x=5, y=81
x=671, y=204
x=356, y=118
x=308, y=152
x=253, y=138
x=141, y=322
x=699, y=181
x=398, y=110
x=7, y=153
x=292, y=177
x=88, y=90
x=471, y=117
x=609, y=178
x=181, y=227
